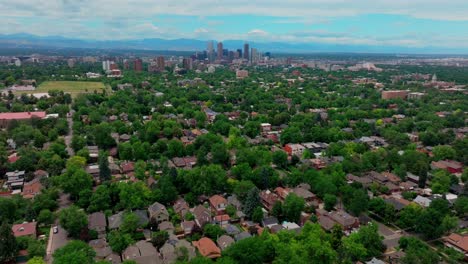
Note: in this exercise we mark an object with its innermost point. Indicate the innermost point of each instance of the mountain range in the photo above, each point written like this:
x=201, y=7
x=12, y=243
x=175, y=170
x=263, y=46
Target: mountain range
x=32, y=41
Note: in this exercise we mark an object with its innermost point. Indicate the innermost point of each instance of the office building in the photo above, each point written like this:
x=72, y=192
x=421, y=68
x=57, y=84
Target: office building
x=246, y=51
x=187, y=63
x=220, y=50
x=138, y=65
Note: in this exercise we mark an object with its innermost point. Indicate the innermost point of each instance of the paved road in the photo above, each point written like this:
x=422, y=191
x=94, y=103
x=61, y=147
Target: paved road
x=68, y=138
x=60, y=239
x=56, y=241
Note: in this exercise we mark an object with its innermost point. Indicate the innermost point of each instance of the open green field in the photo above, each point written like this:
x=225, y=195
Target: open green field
x=72, y=87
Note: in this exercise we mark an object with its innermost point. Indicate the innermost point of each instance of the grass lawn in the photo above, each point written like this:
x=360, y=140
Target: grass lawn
x=72, y=87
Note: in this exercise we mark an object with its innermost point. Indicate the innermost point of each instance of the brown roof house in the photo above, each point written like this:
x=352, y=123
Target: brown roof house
x=202, y=215
x=224, y=241
x=25, y=229
x=207, y=248
x=218, y=204
x=458, y=242
x=158, y=212
x=181, y=207
x=97, y=222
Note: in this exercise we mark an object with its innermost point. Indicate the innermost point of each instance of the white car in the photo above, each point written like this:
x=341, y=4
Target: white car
x=55, y=230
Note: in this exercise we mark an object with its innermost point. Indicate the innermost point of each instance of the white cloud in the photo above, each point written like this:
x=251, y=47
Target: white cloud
x=201, y=30
x=257, y=33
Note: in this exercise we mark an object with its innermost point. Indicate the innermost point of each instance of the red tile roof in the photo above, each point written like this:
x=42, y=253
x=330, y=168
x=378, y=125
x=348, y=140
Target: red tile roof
x=459, y=241
x=31, y=189
x=207, y=248
x=26, y=229
x=21, y=115
x=216, y=200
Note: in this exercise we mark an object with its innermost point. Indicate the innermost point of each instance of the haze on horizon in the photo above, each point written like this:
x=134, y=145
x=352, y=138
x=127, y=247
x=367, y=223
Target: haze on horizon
x=415, y=24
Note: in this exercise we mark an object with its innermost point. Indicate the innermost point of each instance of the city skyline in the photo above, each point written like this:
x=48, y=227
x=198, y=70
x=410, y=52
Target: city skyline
x=419, y=24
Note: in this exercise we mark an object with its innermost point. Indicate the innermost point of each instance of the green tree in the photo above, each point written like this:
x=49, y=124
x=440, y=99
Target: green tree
x=257, y=215
x=129, y=223
x=45, y=217
x=441, y=182
x=252, y=201
x=104, y=170
x=8, y=245
x=36, y=260
x=119, y=241
x=280, y=159
x=158, y=239
x=213, y=231
x=100, y=199
x=73, y=220
x=330, y=201
x=443, y=152
x=461, y=205
x=75, y=252
x=292, y=207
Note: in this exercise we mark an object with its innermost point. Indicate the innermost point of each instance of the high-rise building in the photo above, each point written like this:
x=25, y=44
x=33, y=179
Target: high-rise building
x=246, y=51
x=106, y=65
x=254, y=55
x=187, y=63
x=220, y=50
x=160, y=63
x=138, y=65
x=239, y=53
x=210, y=51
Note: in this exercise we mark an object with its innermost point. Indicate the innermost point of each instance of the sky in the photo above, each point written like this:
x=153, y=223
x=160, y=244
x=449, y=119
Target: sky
x=407, y=23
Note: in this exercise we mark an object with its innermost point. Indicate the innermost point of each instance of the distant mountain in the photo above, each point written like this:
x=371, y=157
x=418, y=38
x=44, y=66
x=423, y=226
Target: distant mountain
x=23, y=40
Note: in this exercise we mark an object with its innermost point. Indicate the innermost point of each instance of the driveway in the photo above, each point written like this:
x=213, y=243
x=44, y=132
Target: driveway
x=56, y=241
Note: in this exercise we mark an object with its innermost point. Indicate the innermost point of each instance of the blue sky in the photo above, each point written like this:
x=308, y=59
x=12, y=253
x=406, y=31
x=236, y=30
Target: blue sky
x=415, y=23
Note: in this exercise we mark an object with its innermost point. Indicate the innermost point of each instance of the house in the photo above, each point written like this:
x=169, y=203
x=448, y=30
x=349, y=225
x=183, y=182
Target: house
x=268, y=199
x=218, y=204
x=265, y=127
x=422, y=201
x=188, y=227
x=448, y=165
x=15, y=180
x=224, y=241
x=142, y=215
x=457, y=242
x=222, y=220
x=232, y=200
x=158, y=212
x=294, y=149
x=97, y=222
x=142, y=253
x=232, y=230
x=181, y=207
x=115, y=220
x=269, y=221
x=242, y=235
x=365, y=181
x=127, y=167
x=377, y=177
x=113, y=258
x=282, y=192
x=25, y=229
x=344, y=219
x=31, y=189
x=166, y=226
x=328, y=219
x=207, y=248
x=202, y=215
x=305, y=194
x=101, y=247
x=397, y=203
x=7, y=118
x=375, y=261
x=392, y=177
